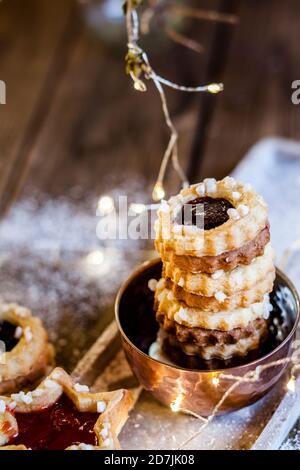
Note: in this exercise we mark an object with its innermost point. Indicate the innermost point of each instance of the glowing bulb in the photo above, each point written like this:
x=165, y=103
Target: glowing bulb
x=137, y=208
x=139, y=85
x=175, y=405
x=215, y=381
x=95, y=258
x=158, y=192
x=291, y=385
x=105, y=205
x=215, y=87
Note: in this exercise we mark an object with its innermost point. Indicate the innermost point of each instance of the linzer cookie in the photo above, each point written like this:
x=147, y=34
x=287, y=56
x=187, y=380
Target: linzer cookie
x=218, y=269
x=63, y=415
x=27, y=354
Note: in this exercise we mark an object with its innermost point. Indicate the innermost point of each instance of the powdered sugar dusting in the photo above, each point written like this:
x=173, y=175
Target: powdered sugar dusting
x=45, y=265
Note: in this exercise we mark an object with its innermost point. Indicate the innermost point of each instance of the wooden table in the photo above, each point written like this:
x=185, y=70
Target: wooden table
x=72, y=117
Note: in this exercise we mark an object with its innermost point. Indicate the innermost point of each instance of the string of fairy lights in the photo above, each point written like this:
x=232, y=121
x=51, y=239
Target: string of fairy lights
x=251, y=376
x=140, y=70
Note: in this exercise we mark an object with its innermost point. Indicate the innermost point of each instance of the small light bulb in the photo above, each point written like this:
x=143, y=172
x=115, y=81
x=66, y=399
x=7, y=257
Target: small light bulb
x=158, y=192
x=215, y=87
x=105, y=205
x=137, y=208
x=291, y=385
x=139, y=85
x=95, y=258
x=215, y=381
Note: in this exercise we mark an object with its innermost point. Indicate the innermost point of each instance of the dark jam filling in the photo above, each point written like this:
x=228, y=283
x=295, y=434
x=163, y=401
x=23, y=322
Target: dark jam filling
x=7, y=335
x=209, y=211
x=56, y=428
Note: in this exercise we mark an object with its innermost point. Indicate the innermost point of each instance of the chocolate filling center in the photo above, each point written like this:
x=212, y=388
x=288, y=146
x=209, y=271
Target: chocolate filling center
x=7, y=335
x=205, y=212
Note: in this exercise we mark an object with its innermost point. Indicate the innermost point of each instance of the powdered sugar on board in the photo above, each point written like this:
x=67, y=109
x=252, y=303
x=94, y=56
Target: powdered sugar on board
x=46, y=264
x=293, y=442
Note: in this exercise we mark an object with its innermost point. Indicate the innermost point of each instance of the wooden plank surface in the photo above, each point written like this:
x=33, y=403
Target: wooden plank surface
x=89, y=123
x=31, y=34
x=262, y=63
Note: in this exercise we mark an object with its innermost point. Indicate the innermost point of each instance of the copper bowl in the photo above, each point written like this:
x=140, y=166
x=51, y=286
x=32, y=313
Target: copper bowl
x=198, y=391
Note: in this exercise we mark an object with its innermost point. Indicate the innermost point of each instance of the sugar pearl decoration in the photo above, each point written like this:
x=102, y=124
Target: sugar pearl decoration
x=229, y=181
x=236, y=195
x=51, y=384
x=22, y=397
x=233, y=214
x=243, y=210
x=28, y=334
x=181, y=282
x=82, y=446
x=18, y=332
x=210, y=185
x=182, y=314
x=200, y=189
x=217, y=274
x=220, y=296
x=81, y=388
x=152, y=284
x=22, y=311
x=2, y=406
x=101, y=406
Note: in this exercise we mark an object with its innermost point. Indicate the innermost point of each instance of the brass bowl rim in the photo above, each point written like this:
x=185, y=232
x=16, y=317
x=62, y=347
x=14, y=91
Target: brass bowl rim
x=152, y=262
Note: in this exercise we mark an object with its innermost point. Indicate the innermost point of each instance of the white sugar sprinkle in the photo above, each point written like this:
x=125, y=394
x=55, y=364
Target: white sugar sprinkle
x=200, y=189
x=233, y=214
x=243, y=209
x=229, y=181
x=181, y=282
x=82, y=446
x=101, y=406
x=217, y=274
x=152, y=284
x=2, y=406
x=18, y=332
x=81, y=388
x=210, y=185
x=22, y=312
x=51, y=384
x=236, y=195
x=22, y=397
x=220, y=296
x=28, y=334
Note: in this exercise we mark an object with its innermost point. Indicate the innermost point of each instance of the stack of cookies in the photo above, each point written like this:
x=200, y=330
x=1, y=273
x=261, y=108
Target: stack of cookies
x=212, y=302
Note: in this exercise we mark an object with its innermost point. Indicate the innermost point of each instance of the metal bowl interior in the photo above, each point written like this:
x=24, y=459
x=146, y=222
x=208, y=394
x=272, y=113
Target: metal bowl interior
x=197, y=390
